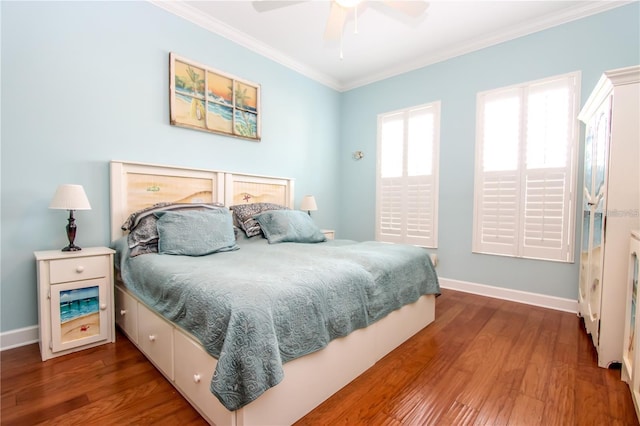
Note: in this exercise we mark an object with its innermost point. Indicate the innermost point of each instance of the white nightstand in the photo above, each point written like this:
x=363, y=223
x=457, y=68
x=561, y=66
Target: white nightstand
x=75, y=300
x=329, y=233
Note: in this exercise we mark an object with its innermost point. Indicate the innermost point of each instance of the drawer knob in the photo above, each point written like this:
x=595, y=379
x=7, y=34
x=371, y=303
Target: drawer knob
x=152, y=338
x=103, y=306
x=79, y=269
x=123, y=312
x=196, y=378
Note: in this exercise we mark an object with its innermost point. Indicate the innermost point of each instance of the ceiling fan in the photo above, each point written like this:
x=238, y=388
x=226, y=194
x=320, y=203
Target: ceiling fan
x=341, y=10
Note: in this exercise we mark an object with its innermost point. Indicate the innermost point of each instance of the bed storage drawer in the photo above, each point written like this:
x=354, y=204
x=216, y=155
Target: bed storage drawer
x=127, y=314
x=155, y=338
x=193, y=377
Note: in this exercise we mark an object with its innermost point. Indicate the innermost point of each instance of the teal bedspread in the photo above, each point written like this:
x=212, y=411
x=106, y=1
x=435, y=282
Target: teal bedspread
x=263, y=305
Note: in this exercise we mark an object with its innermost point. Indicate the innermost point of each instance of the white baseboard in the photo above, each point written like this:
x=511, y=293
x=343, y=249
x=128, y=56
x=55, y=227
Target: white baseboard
x=25, y=336
x=19, y=337
x=542, y=300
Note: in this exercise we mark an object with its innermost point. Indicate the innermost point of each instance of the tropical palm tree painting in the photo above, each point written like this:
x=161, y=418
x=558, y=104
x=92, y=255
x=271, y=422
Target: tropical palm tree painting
x=246, y=117
x=189, y=94
x=220, y=106
x=206, y=99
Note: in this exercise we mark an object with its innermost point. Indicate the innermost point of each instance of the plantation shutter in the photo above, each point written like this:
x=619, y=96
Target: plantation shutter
x=525, y=170
x=499, y=212
x=406, y=211
x=498, y=191
x=390, y=211
x=551, y=127
x=546, y=218
x=407, y=186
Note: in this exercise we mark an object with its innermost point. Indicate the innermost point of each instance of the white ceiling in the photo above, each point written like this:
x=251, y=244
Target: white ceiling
x=388, y=43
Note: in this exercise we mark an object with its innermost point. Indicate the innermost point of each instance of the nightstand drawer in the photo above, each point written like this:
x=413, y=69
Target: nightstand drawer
x=78, y=268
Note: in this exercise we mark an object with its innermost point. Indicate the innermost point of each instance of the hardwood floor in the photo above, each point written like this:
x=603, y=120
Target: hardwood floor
x=483, y=361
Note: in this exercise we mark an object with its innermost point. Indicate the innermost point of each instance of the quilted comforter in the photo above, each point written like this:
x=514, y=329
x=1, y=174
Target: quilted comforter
x=263, y=305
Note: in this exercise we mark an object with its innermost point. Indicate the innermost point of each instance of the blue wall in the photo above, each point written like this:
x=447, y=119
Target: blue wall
x=84, y=83
x=591, y=45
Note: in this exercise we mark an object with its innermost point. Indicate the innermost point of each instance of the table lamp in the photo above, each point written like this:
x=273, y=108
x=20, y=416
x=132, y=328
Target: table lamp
x=309, y=204
x=70, y=197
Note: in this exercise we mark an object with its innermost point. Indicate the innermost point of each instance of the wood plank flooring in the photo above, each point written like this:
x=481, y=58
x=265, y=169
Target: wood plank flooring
x=483, y=361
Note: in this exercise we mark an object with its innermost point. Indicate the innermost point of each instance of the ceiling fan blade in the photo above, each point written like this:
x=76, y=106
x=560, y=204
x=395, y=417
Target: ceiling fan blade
x=413, y=8
x=335, y=23
x=268, y=5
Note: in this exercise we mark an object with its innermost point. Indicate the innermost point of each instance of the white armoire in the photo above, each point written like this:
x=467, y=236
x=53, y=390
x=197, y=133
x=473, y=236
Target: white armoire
x=611, y=198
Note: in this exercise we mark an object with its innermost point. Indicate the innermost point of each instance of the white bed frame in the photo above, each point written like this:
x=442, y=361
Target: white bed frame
x=309, y=380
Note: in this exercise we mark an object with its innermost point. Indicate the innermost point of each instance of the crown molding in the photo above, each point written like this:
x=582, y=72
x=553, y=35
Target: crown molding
x=194, y=16
x=191, y=14
x=516, y=31
x=606, y=83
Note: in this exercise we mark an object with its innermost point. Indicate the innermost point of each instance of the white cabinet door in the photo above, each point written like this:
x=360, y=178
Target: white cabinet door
x=593, y=226
x=79, y=313
x=630, y=349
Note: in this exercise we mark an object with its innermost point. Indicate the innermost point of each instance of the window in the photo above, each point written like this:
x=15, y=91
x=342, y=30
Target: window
x=407, y=176
x=526, y=150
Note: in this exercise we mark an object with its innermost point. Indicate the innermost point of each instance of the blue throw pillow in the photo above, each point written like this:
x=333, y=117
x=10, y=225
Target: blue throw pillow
x=293, y=226
x=195, y=233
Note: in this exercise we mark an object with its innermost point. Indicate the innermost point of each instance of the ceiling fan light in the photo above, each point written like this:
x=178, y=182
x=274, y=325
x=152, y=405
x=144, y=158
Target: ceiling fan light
x=348, y=4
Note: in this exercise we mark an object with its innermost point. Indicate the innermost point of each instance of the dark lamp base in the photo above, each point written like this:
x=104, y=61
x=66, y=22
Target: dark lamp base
x=71, y=234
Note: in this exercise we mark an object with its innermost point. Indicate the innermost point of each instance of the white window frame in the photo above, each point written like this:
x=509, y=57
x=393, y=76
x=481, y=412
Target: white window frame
x=417, y=225
x=527, y=227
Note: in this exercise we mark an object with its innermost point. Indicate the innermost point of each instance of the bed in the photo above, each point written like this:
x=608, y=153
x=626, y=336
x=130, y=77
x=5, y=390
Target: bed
x=241, y=363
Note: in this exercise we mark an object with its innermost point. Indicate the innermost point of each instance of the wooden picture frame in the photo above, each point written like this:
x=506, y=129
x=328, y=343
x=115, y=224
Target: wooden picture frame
x=206, y=99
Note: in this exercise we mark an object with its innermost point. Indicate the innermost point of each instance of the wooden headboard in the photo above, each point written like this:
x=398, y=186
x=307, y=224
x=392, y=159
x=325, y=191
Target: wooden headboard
x=135, y=186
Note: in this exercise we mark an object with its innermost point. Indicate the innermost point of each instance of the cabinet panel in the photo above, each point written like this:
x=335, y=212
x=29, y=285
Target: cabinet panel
x=155, y=338
x=595, y=193
x=632, y=297
x=79, y=314
x=630, y=350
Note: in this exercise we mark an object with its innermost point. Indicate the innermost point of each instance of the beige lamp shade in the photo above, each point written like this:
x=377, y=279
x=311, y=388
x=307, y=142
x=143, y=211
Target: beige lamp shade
x=70, y=197
x=309, y=204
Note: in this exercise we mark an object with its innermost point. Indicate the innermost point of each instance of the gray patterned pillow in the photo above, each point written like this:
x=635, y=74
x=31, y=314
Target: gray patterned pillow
x=244, y=215
x=143, y=232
